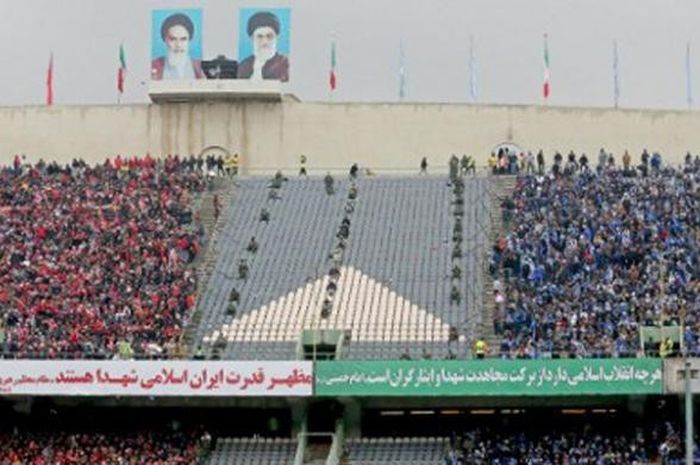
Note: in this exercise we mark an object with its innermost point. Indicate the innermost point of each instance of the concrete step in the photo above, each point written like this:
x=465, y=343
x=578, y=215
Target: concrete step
x=501, y=188
x=206, y=261
x=316, y=454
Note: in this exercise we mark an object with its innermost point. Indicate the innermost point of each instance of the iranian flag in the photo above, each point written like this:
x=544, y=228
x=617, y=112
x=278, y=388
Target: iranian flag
x=546, y=88
x=121, y=73
x=49, y=82
x=333, y=78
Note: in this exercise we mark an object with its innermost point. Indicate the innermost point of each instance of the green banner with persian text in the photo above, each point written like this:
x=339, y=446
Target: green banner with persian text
x=491, y=377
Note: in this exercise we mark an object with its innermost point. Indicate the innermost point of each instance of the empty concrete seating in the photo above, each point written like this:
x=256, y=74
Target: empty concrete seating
x=395, y=451
x=401, y=238
x=293, y=248
x=253, y=451
x=393, y=292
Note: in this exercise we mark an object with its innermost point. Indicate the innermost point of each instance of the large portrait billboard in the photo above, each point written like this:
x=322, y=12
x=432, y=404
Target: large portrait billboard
x=263, y=44
x=176, y=45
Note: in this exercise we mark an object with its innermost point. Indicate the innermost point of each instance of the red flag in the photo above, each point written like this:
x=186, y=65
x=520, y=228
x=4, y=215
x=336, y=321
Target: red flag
x=120, y=80
x=49, y=82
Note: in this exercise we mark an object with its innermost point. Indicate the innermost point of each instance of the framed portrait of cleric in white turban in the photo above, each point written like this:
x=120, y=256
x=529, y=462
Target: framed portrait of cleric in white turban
x=176, y=44
x=263, y=44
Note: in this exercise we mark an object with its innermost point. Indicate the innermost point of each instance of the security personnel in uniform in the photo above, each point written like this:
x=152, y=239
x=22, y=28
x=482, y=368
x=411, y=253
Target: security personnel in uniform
x=302, y=165
x=480, y=348
x=354, y=169
x=243, y=269
x=252, y=245
x=453, y=166
x=328, y=183
x=228, y=165
x=231, y=308
x=234, y=165
x=666, y=347
x=455, y=295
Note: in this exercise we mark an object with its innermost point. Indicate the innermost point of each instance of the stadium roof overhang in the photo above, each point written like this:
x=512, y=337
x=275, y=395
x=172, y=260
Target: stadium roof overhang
x=216, y=90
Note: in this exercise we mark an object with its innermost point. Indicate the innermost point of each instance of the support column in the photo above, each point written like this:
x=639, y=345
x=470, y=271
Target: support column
x=352, y=417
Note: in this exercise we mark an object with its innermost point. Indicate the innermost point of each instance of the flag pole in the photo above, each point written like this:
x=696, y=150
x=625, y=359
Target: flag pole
x=121, y=73
x=546, y=86
x=688, y=78
x=472, y=71
x=402, y=72
x=616, y=75
x=332, y=78
x=49, y=82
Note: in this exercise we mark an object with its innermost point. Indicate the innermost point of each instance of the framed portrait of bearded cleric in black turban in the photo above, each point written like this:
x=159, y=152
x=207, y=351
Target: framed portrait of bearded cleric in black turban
x=263, y=44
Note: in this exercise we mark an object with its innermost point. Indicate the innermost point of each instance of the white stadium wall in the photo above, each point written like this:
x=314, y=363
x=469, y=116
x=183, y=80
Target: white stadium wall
x=389, y=137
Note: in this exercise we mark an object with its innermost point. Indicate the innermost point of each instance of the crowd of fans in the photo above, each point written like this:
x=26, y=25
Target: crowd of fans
x=593, y=253
x=573, y=446
x=96, y=261
x=143, y=448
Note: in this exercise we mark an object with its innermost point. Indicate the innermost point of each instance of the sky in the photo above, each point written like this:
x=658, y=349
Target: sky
x=84, y=36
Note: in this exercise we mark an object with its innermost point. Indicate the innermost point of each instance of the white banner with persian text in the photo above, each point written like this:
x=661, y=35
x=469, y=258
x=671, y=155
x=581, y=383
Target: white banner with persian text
x=155, y=378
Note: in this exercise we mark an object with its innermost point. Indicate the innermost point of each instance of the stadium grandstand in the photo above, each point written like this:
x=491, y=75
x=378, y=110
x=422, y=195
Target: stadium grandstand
x=228, y=262
x=367, y=276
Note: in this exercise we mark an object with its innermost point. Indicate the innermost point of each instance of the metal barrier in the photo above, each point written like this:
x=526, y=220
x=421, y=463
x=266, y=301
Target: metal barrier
x=7, y=355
